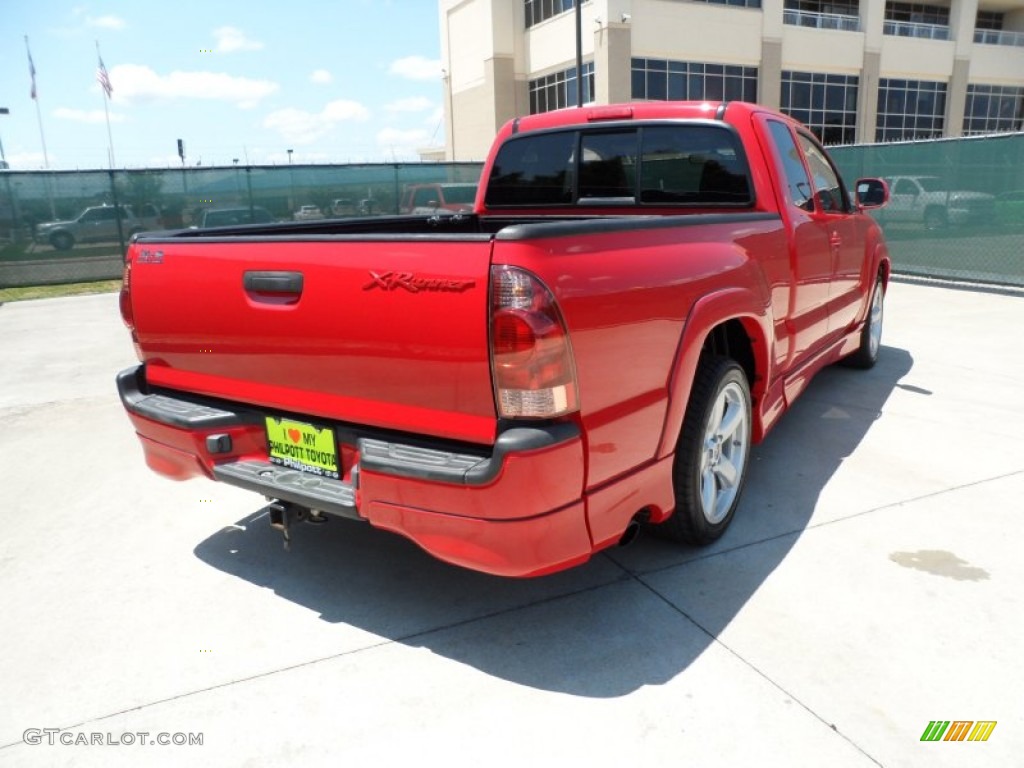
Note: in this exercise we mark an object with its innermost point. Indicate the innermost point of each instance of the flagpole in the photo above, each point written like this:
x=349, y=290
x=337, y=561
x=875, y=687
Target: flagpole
x=104, y=80
x=35, y=98
x=39, y=118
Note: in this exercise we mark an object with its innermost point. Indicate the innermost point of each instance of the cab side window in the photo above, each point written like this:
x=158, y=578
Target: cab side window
x=828, y=189
x=797, y=182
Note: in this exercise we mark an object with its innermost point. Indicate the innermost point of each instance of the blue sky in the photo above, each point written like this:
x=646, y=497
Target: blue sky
x=343, y=81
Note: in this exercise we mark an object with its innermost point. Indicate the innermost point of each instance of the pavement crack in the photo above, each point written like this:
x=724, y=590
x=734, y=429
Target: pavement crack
x=638, y=578
x=402, y=639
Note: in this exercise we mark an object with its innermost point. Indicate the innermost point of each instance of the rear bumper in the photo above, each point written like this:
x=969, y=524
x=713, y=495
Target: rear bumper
x=513, y=509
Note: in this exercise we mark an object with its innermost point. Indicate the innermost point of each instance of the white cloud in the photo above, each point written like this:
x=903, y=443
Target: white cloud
x=402, y=144
x=321, y=76
x=413, y=104
x=106, y=22
x=231, y=39
x=86, y=116
x=301, y=127
x=134, y=81
x=416, y=68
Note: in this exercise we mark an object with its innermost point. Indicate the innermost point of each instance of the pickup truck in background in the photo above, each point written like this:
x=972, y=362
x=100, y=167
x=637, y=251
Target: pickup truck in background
x=638, y=295
x=439, y=198
x=934, y=203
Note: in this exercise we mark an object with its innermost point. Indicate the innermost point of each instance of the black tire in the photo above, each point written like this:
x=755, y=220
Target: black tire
x=62, y=241
x=871, y=334
x=711, y=462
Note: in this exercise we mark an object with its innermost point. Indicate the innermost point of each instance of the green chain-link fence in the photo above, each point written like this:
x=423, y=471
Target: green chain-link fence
x=62, y=226
x=957, y=208
x=957, y=205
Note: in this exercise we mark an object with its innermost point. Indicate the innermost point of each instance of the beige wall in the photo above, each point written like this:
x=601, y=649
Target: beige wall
x=917, y=59
x=696, y=32
x=825, y=50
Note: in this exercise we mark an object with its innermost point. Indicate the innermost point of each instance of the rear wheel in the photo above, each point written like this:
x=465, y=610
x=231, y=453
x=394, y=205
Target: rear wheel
x=712, y=453
x=62, y=241
x=871, y=335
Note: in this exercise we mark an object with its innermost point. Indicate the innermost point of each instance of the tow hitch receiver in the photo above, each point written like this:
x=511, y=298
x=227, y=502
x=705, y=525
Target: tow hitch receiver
x=284, y=513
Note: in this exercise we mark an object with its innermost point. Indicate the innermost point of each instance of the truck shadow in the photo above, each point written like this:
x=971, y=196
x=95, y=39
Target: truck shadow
x=599, y=630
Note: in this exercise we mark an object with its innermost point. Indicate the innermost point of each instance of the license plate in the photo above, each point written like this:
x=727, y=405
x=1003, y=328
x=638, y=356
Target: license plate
x=302, y=446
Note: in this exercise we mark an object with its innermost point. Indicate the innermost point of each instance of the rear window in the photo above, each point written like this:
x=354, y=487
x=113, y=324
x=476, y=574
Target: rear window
x=670, y=164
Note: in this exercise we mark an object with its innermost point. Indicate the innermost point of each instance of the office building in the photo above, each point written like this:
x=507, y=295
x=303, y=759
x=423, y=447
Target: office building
x=873, y=70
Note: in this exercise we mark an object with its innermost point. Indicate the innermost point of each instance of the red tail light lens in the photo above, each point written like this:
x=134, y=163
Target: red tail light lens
x=531, y=358
x=125, y=298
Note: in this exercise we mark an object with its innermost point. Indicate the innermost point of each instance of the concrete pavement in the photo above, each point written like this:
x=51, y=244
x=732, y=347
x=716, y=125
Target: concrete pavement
x=871, y=583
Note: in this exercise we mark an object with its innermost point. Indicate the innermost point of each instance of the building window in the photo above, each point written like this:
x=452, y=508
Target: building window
x=558, y=90
x=917, y=20
x=827, y=104
x=823, y=14
x=910, y=109
x=542, y=10
x=989, y=20
x=993, y=109
x=659, y=80
x=917, y=13
x=739, y=3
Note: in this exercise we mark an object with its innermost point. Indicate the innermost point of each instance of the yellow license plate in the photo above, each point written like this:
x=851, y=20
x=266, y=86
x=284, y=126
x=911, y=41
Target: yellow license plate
x=302, y=446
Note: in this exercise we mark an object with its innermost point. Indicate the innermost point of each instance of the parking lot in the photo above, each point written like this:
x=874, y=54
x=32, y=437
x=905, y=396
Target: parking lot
x=871, y=583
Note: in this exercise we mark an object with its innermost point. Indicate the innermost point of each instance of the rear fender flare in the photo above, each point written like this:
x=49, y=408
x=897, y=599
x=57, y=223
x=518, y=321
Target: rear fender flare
x=707, y=313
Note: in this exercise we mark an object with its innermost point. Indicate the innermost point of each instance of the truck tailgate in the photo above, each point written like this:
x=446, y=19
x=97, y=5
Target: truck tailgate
x=389, y=332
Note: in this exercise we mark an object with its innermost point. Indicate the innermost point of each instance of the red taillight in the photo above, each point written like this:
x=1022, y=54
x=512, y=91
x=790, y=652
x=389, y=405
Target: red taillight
x=532, y=362
x=125, y=299
x=125, y=303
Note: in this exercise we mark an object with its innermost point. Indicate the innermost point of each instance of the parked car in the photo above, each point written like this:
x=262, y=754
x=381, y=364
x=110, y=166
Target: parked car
x=934, y=202
x=439, y=198
x=93, y=225
x=223, y=217
x=308, y=213
x=344, y=206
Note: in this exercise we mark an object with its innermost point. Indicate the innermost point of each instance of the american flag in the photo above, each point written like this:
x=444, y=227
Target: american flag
x=31, y=70
x=103, y=77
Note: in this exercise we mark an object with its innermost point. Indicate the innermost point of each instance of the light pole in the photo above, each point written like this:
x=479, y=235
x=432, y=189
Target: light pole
x=3, y=157
x=290, y=157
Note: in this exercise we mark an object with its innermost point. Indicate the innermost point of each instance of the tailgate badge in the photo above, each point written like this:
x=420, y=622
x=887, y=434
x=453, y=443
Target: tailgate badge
x=391, y=281
x=150, y=257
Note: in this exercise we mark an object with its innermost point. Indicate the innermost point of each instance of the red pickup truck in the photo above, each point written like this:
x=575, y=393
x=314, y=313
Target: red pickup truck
x=637, y=296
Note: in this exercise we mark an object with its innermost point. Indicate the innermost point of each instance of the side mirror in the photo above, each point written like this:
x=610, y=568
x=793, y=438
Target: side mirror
x=871, y=193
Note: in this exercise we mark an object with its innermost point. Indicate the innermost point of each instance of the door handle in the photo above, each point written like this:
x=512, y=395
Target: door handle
x=273, y=282
x=835, y=240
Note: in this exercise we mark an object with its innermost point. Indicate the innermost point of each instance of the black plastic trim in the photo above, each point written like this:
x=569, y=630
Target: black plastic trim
x=631, y=222
x=302, y=488
x=404, y=460
x=386, y=452
x=272, y=282
x=194, y=413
